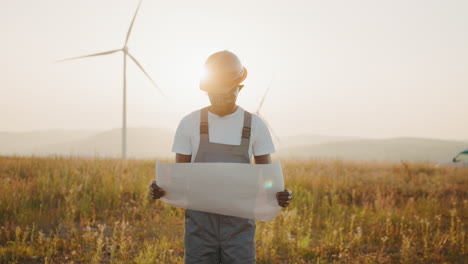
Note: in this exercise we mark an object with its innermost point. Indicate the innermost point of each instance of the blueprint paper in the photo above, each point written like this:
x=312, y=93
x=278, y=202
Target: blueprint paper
x=236, y=189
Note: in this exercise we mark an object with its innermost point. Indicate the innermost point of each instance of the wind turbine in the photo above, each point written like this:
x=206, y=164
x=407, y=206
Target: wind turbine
x=126, y=53
x=257, y=112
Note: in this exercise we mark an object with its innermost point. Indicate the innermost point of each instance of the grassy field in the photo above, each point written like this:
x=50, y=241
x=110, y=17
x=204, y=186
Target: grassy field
x=67, y=210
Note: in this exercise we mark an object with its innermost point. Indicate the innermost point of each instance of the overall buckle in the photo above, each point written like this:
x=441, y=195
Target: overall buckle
x=246, y=132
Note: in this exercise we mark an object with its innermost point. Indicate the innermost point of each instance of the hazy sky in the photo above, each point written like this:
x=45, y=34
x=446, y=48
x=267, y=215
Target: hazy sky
x=355, y=68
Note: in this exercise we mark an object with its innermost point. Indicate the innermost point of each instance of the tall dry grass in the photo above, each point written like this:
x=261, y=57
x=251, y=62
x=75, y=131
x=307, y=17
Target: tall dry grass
x=68, y=210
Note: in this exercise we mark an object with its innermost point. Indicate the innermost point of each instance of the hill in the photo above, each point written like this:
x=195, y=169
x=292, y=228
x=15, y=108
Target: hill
x=142, y=142
x=151, y=143
x=395, y=149
x=25, y=142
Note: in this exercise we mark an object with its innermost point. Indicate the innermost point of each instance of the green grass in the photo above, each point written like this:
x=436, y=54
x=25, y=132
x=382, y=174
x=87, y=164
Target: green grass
x=68, y=210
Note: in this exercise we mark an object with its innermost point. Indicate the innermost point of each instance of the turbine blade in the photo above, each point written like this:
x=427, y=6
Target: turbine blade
x=265, y=95
x=131, y=25
x=91, y=55
x=147, y=75
x=271, y=129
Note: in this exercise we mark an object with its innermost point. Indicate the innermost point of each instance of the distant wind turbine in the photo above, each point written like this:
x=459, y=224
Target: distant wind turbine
x=125, y=54
x=258, y=113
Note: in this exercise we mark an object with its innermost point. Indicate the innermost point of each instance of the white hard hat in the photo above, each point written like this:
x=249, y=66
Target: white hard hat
x=223, y=71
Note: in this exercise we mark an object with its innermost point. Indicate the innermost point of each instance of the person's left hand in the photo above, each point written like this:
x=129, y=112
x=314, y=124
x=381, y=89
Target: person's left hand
x=284, y=197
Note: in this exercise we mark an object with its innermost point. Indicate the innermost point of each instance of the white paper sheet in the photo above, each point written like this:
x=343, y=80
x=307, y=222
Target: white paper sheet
x=236, y=189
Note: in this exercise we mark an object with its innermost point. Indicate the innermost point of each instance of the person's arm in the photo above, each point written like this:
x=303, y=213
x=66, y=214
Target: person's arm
x=263, y=159
x=283, y=197
x=181, y=158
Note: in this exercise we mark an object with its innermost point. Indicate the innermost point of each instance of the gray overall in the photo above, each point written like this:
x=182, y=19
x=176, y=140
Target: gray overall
x=213, y=238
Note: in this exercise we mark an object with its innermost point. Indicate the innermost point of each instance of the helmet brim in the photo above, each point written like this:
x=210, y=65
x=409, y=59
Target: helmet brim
x=221, y=87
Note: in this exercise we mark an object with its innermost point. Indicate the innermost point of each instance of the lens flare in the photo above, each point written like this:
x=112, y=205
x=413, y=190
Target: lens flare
x=204, y=74
x=268, y=184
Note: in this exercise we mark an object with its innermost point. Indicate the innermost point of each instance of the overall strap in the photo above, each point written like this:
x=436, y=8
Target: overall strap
x=204, y=121
x=245, y=140
x=247, y=125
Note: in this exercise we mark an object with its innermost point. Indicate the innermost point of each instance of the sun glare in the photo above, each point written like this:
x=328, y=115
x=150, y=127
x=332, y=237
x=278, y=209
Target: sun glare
x=203, y=73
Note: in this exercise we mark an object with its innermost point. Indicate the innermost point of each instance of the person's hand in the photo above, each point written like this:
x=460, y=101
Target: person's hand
x=284, y=197
x=155, y=191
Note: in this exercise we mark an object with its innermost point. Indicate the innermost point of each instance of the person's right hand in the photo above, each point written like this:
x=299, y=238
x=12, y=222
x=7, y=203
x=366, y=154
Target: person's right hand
x=155, y=191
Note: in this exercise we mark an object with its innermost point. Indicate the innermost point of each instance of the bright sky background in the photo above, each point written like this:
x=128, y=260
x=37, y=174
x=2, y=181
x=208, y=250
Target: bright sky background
x=354, y=68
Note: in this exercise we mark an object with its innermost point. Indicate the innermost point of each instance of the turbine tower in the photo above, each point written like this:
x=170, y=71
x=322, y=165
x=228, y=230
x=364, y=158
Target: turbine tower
x=126, y=53
x=257, y=112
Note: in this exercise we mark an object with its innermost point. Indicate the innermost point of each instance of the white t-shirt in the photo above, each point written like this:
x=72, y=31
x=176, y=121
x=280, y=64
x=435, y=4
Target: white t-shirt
x=223, y=130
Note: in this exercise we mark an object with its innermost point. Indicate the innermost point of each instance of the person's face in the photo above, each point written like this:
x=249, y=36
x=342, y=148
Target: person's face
x=225, y=100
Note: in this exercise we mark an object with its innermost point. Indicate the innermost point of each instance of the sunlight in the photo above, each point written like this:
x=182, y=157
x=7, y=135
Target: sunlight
x=204, y=73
